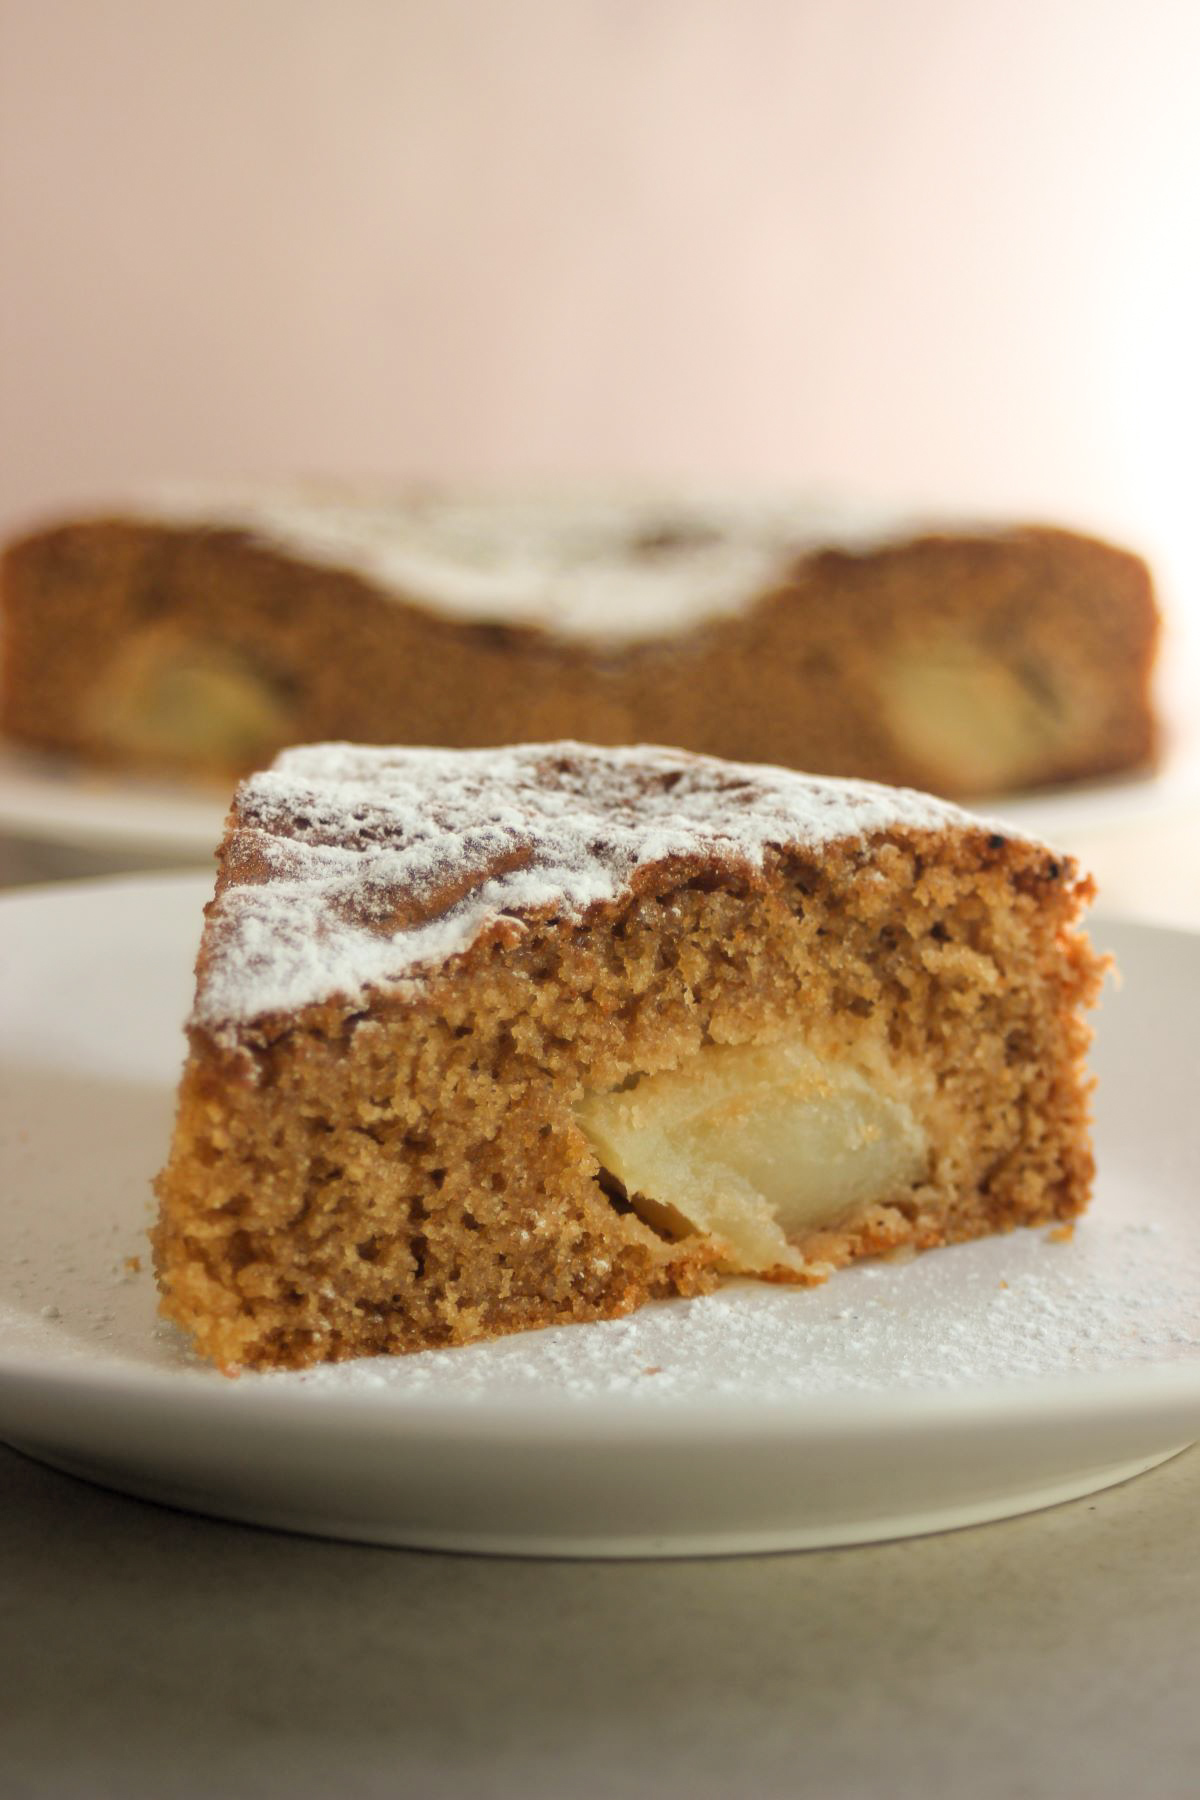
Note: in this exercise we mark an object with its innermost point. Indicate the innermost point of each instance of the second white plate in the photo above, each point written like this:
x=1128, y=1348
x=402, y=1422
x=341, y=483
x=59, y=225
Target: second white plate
x=56, y=802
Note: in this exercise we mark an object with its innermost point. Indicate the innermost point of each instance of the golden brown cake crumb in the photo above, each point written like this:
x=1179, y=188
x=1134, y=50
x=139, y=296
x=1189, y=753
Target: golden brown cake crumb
x=445, y=999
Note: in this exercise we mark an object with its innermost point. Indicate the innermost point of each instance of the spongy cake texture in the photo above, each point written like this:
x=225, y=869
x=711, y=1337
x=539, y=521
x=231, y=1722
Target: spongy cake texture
x=419, y=965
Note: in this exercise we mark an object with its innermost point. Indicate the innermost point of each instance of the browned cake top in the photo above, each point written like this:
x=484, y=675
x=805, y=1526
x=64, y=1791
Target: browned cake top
x=349, y=867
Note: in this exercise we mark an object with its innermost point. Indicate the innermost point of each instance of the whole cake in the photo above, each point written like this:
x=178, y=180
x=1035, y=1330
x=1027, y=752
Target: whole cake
x=202, y=635
x=491, y=1040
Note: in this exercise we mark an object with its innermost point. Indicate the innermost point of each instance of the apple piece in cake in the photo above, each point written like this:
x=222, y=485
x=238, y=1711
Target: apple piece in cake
x=489, y=1040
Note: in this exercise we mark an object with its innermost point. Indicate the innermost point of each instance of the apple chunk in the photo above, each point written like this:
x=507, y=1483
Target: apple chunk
x=168, y=696
x=759, y=1144
x=957, y=707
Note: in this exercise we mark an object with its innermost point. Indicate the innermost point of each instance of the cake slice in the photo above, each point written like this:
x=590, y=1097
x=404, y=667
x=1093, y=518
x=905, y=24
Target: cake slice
x=488, y=1040
x=203, y=634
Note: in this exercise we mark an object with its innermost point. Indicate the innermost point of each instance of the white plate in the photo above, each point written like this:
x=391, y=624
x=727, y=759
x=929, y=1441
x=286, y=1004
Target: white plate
x=966, y=1385
x=51, y=800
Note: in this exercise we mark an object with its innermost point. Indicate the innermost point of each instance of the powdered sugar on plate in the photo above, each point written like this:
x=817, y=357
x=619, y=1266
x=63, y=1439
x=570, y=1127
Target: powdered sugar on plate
x=1019, y=1309
x=355, y=867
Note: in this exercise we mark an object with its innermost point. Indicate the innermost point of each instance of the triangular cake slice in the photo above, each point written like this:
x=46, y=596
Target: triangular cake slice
x=489, y=1040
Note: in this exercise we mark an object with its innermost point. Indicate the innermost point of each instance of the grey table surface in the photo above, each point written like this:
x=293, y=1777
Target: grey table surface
x=152, y=1653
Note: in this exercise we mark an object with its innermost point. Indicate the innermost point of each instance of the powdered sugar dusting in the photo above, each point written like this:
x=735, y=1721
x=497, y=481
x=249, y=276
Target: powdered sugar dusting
x=603, y=568
x=356, y=867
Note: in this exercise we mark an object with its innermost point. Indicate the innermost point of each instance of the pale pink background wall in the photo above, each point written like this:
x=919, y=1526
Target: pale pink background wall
x=928, y=248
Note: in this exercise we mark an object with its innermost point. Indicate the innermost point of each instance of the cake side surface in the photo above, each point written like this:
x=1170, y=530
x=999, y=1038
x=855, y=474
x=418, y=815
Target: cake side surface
x=421, y=1133
x=967, y=660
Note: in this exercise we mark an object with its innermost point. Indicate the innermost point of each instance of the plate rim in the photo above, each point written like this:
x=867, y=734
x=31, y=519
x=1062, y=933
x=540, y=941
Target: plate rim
x=1167, y=1389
